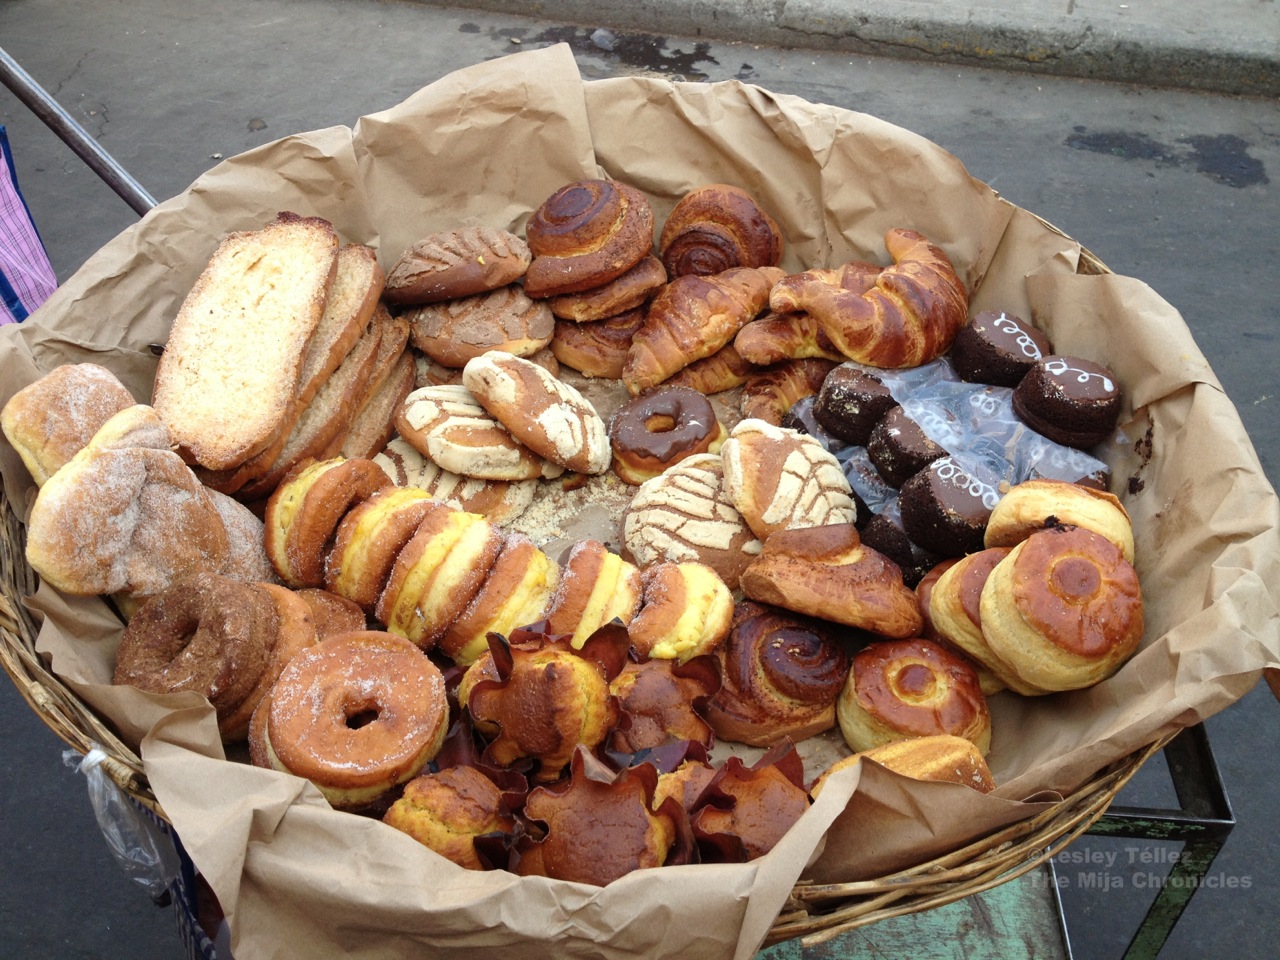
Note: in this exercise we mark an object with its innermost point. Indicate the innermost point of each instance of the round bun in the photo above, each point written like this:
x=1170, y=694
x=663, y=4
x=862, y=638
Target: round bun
x=716, y=227
x=1035, y=504
x=911, y=688
x=1063, y=610
x=598, y=348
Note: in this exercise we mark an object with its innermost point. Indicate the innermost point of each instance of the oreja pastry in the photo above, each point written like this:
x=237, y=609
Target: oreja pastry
x=1062, y=611
x=827, y=572
x=911, y=688
x=1035, y=504
x=356, y=714
x=782, y=479
x=685, y=611
x=939, y=756
x=547, y=415
x=660, y=428
x=909, y=314
x=781, y=675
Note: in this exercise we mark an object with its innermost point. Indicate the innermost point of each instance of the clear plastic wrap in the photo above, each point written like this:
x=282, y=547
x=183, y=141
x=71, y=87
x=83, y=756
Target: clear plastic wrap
x=140, y=844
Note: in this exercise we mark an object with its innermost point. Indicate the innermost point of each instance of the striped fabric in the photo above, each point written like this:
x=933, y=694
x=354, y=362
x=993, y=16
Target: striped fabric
x=26, y=278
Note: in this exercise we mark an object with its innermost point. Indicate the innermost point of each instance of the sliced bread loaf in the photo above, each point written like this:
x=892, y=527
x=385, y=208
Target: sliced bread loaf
x=231, y=367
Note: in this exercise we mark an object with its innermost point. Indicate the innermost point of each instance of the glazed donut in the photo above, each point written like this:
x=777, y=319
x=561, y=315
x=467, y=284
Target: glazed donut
x=356, y=714
x=911, y=688
x=331, y=613
x=303, y=513
x=660, y=428
x=204, y=633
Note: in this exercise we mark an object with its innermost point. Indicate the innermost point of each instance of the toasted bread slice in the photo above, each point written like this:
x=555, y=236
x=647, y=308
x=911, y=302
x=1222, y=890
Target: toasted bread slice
x=375, y=422
x=233, y=361
x=357, y=285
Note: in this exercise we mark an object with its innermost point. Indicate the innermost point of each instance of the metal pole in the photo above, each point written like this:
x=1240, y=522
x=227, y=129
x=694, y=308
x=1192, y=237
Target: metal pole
x=64, y=125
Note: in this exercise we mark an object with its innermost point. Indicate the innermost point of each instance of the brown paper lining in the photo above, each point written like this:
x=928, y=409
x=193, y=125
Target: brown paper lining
x=486, y=145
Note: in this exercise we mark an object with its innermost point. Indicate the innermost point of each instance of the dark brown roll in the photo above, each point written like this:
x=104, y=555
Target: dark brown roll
x=586, y=234
x=782, y=673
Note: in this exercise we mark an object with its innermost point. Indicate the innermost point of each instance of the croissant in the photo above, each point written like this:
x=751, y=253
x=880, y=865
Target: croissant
x=717, y=227
x=767, y=394
x=586, y=234
x=692, y=318
x=784, y=336
x=909, y=316
x=723, y=370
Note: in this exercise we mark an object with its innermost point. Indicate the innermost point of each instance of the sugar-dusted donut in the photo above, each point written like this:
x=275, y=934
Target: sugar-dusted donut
x=660, y=428
x=356, y=714
x=204, y=633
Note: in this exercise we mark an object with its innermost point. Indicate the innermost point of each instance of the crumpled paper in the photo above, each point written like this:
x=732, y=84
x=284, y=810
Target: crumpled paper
x=486, y=145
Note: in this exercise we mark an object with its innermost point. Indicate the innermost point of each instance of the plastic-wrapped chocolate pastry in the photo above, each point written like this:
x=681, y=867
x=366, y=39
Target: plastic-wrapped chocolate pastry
x=884, y=533
x=851, y=402
x=899, y=448
x=997, y=348
x=1070, y=400
x=945, y=508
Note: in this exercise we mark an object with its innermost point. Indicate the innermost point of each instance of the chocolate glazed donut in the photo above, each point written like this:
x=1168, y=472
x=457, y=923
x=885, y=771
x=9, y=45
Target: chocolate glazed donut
x=782, y=674
x=661, y=428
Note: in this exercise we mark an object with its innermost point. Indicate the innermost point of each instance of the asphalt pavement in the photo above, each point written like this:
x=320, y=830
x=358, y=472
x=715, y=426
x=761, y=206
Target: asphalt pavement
x=1157, y=171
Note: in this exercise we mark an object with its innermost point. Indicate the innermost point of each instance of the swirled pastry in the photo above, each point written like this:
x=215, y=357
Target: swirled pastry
x=911, y=688
x=782, y=673
x=715, y=227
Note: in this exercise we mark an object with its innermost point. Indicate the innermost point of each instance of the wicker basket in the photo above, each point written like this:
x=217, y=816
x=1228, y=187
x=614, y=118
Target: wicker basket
x=814, y=912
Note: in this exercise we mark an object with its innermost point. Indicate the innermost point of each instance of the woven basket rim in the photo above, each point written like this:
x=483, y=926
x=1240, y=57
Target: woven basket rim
x=814, y=912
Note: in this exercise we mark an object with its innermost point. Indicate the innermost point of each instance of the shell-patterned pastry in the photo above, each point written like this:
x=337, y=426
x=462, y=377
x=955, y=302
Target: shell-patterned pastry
x=498, y=500
x=781, y=479
x=456, y=263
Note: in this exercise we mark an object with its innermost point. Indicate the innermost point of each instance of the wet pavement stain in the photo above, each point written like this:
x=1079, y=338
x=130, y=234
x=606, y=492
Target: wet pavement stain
x=1224, y=158
x=636, y=51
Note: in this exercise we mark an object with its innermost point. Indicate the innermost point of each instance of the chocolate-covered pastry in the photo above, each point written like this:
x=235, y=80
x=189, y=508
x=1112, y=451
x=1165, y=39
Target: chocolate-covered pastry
x=945, y=509
x=1070, y=400
x=997, y=348
x=851, y=402
x=899, y=448
x=885, y=534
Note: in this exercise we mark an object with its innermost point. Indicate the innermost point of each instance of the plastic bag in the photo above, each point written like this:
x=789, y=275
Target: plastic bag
x=140, y=843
